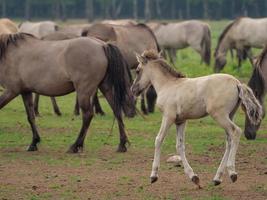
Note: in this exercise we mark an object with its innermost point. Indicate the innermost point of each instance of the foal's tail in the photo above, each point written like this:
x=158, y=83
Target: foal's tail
x=251, y=104
x=206, y=45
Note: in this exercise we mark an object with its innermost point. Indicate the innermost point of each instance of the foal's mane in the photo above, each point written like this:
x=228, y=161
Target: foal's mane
x=152, y=55
x=225, y=31
x=7, y=39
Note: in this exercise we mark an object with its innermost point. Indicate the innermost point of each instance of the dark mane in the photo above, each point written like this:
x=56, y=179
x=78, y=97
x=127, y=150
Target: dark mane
x=7, y=39
x=225, y=31
x=152, y=55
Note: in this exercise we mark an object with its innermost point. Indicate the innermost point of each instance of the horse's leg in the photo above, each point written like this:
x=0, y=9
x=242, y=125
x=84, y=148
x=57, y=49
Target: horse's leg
x=165, y=125
x=180, y=147
x=85, y=103
x=76, y=107
x=98, y=109
x=143, y=103
x=28, y=103
x=107, y=92
x=6, y=97
x=151, y=97
x=217, y=179
x=234, y=134
x=55, y=106
x=36, y=104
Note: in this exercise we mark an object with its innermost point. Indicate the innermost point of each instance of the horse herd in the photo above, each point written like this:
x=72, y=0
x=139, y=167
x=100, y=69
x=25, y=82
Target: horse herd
x=87, y=57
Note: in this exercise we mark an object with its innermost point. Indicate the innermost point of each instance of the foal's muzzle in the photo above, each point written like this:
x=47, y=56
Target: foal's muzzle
x=136, y=90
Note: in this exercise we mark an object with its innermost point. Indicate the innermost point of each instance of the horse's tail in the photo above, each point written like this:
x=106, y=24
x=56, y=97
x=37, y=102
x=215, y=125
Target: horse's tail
x=116, y=75
x=206, y=45
x=250, y=104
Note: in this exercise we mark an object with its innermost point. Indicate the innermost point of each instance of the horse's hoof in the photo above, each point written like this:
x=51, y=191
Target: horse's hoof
x=32, y=148
x=58, y=113
x=233, y=177
x=195, y=179
x=122, y=149
x=153, y=179
x=75, y=149
x=217, y=182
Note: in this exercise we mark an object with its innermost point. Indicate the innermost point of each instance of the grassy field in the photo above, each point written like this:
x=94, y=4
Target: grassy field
x=101, y=173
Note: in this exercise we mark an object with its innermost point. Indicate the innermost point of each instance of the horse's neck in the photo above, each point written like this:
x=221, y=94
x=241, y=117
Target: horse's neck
x=224, y=47
x=159, y=79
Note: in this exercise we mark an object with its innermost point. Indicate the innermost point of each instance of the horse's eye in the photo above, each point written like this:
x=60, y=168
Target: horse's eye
x=137, y=71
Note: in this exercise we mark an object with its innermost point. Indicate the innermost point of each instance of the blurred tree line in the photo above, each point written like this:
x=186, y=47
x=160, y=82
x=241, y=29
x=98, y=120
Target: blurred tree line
x=138, y=9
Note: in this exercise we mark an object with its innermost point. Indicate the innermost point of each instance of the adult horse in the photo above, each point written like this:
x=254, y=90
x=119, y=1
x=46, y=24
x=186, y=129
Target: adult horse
x=129, y=39
x=180, y=99
x=120, y=22
x=81, y=65
x=38, y=29
x=242, y=34
x=191, y=33
x=7, y=26
x=258, y=84
x=56, y=36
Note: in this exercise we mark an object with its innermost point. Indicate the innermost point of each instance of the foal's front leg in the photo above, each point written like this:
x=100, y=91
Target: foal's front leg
x=181, y=149
x=165, y=125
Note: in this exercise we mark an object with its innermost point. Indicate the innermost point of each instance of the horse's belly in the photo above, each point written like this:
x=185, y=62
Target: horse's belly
x=58, y=89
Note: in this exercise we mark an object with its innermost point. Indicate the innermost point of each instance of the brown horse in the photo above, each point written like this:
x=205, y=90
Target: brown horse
x=129, y=39
x=258, y=84
x=81, y=65
x=56, y=36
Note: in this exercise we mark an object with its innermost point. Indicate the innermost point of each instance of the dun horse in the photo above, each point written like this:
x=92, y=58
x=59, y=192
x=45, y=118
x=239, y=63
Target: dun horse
x=242, y=34
x=66, y=66
x=258, y=84
x=192, y=33
x=181, y=98
x=129, y=39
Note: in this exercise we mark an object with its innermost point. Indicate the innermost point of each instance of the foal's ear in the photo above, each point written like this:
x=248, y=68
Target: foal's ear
x=141, y=59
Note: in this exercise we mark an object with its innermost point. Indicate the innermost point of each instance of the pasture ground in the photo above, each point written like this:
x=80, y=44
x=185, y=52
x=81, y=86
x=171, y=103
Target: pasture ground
x=101, y=173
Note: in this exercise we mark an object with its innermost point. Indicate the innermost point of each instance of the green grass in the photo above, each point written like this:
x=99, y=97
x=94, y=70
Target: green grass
x=58, y=133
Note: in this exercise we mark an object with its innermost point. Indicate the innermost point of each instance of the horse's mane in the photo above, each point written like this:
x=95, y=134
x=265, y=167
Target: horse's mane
x=153, y=55
x=7, y=39
x=225, y=31
x=151, y=32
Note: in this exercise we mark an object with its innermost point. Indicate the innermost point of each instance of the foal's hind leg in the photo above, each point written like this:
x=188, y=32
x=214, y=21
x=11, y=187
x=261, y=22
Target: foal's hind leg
x=181, y=149
x=228, y=160
x=85, y=103
x=28, y=103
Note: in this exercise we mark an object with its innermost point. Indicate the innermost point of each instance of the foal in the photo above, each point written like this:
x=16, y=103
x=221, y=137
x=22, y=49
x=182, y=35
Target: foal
x=180, y=99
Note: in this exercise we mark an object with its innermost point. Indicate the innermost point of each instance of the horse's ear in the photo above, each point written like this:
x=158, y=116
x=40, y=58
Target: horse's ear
x=141, y=59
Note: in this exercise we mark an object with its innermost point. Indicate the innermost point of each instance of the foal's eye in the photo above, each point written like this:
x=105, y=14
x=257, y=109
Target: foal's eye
x=137, y=71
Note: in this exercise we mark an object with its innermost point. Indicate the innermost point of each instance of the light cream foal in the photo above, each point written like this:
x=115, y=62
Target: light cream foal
x=180, y=99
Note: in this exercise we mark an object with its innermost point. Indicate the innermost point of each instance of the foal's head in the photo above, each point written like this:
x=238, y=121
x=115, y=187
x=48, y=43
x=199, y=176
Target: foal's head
x=150, y=62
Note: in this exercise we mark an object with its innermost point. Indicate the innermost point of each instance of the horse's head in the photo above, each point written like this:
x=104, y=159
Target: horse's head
x=250, y=130
x=220, y=62
x=142, y=79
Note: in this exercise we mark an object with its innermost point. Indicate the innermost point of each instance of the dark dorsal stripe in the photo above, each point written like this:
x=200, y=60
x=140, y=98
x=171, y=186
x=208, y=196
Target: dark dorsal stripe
x=7, y=39
x=223, y=34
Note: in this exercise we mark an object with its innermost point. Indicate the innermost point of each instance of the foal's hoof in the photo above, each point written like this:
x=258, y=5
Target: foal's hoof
x=153, y=179
x=233, y=177
x=32, y=148
x=75, y=149
x=122, y=149
x=217, y=182
x=195, y=179
x=58, y=113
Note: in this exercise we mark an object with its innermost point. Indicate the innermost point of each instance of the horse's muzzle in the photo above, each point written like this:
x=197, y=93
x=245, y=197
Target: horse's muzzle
x=136, y=90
